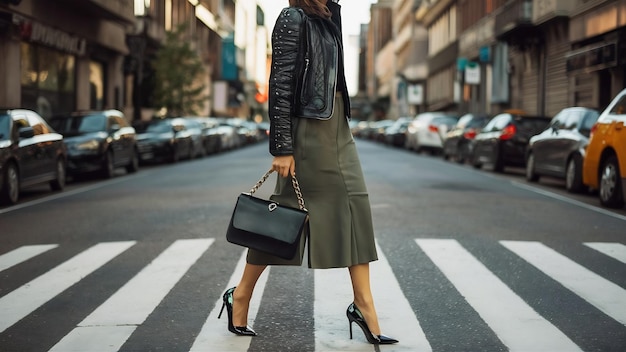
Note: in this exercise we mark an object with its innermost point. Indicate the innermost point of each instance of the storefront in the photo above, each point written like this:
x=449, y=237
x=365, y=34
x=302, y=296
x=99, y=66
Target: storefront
x=596, y=63
x=56, y=60
x=48, y=67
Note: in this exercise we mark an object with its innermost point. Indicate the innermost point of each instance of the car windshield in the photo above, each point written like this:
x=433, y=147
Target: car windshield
x=75, y=125
x=445, y=120
x=588, y=121
x=464, y=120
x=159, y=127
x=532, y=125
x=5, y=127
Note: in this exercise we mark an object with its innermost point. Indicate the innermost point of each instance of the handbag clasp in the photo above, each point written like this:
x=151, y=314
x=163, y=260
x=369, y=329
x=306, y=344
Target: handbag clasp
x=272, y=206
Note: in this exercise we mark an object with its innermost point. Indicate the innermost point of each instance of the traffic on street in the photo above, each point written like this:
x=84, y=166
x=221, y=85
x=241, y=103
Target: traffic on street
x=469, y=260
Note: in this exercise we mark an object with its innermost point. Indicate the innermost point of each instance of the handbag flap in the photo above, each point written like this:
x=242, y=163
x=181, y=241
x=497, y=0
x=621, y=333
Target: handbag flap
x=268, y=218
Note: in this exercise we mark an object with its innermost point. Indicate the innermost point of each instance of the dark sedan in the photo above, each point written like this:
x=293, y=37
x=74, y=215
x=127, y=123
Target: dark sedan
x=164, y=139
x=210, y=134
x=559, y=150
x=395, y=135
x=98, y=141
x=458, y=141
x=503, y=141
x=31, y=152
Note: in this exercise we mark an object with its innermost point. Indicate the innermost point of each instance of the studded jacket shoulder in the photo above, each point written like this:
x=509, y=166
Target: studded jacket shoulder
x=303, y=79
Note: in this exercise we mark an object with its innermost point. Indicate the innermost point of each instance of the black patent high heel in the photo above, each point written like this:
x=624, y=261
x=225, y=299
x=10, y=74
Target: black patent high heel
x=228, y=303
x=355, y=316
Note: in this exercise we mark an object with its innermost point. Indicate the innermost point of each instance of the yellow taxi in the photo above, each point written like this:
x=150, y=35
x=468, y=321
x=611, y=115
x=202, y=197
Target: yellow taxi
x=604, y=167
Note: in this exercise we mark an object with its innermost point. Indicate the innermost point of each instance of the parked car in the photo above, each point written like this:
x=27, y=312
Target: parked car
x=428, y=131
x=229, y=133
x=97, y=141
x=458, y=142
x=247, y=131
x=604, y=166
x=194, y=129
x=395, y=135
x=559, y=150
x=31, y=153
x=378, y=130
x=164, y=140
x=210, y=134
x=503, y=141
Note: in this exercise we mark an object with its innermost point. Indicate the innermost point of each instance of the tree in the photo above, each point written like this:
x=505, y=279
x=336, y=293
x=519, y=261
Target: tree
x=179, y=73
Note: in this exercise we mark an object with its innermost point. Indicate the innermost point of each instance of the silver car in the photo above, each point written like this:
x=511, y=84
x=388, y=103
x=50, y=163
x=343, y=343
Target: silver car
x=559, y=150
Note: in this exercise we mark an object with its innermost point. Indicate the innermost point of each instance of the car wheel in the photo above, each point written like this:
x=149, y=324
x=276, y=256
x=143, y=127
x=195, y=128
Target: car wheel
x=573, y=174
x=10, y=192
x=59, y=182
x=108, y=168
x=531, y=175
x=610, y=184
x=133, y=165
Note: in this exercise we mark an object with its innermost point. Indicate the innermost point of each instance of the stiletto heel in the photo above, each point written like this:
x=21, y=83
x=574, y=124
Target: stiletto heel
x=228, y=303
x=350, y=324
x=221, y=310
x=355, y=316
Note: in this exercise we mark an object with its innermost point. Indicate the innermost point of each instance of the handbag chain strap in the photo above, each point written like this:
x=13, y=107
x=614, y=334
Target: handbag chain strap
x=294, y=182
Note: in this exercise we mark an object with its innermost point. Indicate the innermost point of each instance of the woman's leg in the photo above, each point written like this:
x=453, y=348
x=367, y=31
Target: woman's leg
x=360, y=276
x=243, y=293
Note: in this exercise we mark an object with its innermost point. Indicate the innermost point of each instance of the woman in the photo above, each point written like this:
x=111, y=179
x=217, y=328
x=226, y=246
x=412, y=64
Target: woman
x=310, y=137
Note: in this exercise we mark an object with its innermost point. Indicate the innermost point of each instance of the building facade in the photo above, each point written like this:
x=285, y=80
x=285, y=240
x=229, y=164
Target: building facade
x=441, y=20
x=596, y=60
x=487, y=56
x=63, y=55
x=410, y=56
x=380, y=58
x=67, y=55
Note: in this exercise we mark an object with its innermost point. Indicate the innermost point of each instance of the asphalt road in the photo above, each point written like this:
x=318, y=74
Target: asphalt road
x=470, y=260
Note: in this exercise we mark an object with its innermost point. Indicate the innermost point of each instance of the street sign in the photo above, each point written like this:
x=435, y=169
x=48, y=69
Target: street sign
x=472, y=73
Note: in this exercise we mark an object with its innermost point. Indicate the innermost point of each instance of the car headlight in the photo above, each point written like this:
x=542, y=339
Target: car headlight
x=90, y=145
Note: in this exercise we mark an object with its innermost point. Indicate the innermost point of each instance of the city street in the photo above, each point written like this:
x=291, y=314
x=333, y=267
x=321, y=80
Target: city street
x=469, y=260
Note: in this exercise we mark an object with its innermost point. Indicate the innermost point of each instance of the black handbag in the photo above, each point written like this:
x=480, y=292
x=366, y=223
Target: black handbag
x=266, y=225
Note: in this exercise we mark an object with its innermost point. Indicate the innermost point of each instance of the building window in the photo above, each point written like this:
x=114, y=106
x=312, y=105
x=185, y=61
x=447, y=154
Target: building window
x=96, y=85
x=47, y=79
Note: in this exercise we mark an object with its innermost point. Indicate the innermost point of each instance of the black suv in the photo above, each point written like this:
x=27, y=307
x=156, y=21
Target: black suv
x=503, y=141
x=98, y=141
x=31, y=152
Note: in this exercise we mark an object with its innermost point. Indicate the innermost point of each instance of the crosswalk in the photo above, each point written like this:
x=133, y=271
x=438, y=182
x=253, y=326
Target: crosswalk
x=516, y=323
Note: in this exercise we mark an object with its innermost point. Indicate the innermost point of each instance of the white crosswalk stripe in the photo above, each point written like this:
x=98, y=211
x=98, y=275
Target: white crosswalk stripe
x=514, y=322
x=333, y=292
x=605, y=295
x=21, y=302
x=211, y=337
x=22, y=254
x=109, y=326
x=521, y=328
x=614, y=250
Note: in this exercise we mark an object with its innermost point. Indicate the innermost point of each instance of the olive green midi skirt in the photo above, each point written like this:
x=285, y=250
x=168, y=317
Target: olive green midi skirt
x=328, y=169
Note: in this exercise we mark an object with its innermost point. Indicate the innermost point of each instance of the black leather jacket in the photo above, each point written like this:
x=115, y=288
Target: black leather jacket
x=307, y=54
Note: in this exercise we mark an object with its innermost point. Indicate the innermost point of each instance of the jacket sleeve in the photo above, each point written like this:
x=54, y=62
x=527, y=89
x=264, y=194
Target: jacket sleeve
x=282, y=85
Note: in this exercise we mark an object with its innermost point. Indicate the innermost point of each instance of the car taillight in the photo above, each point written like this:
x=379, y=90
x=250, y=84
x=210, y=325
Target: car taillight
x=508, y=132
x=593, y=129
x=433, y=128
x=470, y=134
